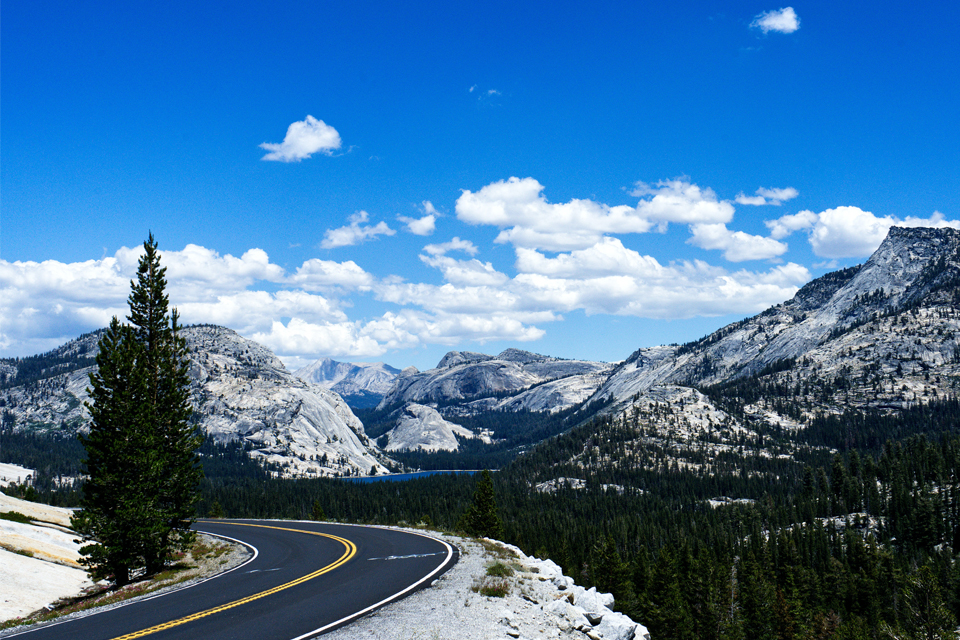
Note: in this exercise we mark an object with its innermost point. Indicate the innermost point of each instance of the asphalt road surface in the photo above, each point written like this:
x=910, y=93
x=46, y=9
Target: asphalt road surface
x=306, y=578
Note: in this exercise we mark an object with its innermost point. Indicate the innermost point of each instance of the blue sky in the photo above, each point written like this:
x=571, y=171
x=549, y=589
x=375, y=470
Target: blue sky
x=388, y=182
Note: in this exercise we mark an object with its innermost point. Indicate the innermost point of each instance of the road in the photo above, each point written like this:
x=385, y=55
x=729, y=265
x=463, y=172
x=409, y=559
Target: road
x=306, y=578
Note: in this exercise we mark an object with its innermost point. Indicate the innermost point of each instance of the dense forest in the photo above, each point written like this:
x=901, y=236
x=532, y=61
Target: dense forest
x=854, y=544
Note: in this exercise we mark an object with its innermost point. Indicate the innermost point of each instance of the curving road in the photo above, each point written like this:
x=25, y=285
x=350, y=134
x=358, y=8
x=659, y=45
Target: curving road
x=305, y=578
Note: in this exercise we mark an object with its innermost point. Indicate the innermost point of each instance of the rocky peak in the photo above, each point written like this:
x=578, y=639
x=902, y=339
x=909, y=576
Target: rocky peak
x=895, y=313
x=454, y=358
x=241, y=391
x=521, y=356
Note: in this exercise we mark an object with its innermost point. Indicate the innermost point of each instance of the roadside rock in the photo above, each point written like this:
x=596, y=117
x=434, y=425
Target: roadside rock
x=540, y=603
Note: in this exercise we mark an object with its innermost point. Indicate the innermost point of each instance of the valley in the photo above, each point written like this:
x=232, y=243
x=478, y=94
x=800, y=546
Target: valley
x=770, y=479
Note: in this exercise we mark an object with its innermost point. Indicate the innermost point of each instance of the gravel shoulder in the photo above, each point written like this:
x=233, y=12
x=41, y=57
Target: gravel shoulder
x=539, y=603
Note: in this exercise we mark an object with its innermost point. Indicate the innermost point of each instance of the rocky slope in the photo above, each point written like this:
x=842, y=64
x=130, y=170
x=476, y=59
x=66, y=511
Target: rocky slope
x=241, y=391
x=880, y=335
x=509, y=380
x=467, y=385
x=421, y=427
x=361, y=384
x=538, y=602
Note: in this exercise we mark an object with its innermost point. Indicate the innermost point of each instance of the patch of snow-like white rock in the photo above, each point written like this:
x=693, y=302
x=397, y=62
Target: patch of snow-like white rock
x=50, y=572
x=421, y=427
x=541, y=603
x=14, y=474
x=577, y=484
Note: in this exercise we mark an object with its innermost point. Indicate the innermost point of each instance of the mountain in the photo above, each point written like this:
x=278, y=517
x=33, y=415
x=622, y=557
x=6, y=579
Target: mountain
x=423, y=428
x=882, y=335
x=474, y=391
x=855, y=357
x=241, y=392
x=361, y=384
x=477, y=382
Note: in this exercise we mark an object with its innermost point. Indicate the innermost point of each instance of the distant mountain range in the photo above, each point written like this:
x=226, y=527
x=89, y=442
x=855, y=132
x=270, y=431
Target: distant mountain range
x=361, y=384
x=881, y=336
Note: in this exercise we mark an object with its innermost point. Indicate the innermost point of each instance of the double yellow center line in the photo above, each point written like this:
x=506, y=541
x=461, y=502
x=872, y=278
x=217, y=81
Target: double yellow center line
x=351, y=550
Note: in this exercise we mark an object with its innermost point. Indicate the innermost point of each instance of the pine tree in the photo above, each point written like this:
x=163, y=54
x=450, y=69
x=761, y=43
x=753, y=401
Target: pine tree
x=142, y=463
x=316, y=513
x=481, y=518
x=115, y=505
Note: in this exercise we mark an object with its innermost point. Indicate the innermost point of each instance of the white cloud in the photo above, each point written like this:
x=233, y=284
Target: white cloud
x=609, y=278
x=303, y=139
x=329, y=339
x=681, y=201
x=454, y=245
x=768, y=196
x=785, y=225
x=528, y=220
x=780, y=20
x=777, y=196
x=44, y=304
x=355, y=232
x=465, y=272
x=750, y=200
x=849, y=232
x=737, y=246
x=318, y=274
x=425, y=225
x=606, y=258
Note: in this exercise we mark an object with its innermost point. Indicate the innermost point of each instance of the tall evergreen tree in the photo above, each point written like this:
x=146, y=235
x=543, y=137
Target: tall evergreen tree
x=481, y=518
x=141, y=450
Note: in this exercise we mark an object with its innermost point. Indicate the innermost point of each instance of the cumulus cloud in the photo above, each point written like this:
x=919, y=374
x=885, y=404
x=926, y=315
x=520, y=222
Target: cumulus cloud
x=44, y=304
x=355, y=232
x=318, y=274
x=464, y=272
x=519, y=208
x=780, y=20
x=737, y=246
x=454, y=245
x=332, y=339
x=605, y=278
x=785, y=225
x=768, y=196
x=606, y=258
x=609, y=278
x=849, y=232
x=425, y=225
x=303, y=139
x=681, y=201
x=526, y=219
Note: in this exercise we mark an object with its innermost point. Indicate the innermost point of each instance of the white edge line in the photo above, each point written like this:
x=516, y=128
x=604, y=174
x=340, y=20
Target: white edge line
x=389, y=599
x=175, y=589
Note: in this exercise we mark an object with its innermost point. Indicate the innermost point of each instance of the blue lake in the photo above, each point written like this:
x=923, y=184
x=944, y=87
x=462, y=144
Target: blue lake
x=399, y=477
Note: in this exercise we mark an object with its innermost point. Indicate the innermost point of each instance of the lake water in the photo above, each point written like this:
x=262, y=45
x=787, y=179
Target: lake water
x=399, y=477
